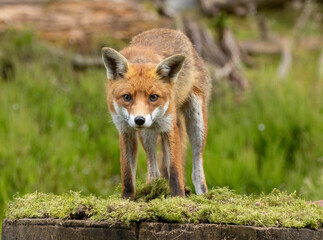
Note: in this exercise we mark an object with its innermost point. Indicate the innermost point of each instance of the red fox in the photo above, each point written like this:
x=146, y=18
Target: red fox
x=152, y=85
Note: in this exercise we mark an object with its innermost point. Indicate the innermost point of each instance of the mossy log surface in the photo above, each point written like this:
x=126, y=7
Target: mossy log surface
x=154, y=204
x=219, y=214
x=33, y=229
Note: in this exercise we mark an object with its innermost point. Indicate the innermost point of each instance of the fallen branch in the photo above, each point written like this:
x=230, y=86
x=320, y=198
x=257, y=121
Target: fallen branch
x=81, y=62
x=237, y=7
x=25, y=2
x=223, y=59
x=252, y=47
x=263, y=28
x=303, y=18
x=286, y=59
x=287, y=46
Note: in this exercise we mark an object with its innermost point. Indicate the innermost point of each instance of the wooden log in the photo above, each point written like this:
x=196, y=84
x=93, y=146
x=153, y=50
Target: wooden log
x=286, y=59
x=237, y=7
x=260, y=47
x=34, y=229
x=223, y=58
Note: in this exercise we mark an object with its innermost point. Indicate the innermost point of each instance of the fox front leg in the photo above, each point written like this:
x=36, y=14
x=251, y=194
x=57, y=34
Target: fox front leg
x=173, y=145
x=128, y=160
x=149, y=141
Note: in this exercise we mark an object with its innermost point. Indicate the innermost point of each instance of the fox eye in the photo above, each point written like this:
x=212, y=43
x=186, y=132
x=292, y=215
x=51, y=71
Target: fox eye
x=127, y=98
x=153, y=97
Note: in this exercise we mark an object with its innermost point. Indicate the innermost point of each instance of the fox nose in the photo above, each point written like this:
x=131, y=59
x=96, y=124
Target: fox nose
x=140, y=120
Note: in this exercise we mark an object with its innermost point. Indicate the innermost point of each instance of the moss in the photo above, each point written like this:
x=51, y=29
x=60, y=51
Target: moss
x=157, y=189
x=153, y=203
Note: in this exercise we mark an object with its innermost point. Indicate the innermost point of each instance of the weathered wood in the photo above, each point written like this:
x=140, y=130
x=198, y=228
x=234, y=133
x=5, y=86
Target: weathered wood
x=286, y=59
x=81, y=62
x=172, y=8
x=238, y=7
x=16, y=2
x=65, y=23
x=289, y=45
x=204, y=43
x=223, y=58
x=275, y=46
x=166, y=231
x=33, y=229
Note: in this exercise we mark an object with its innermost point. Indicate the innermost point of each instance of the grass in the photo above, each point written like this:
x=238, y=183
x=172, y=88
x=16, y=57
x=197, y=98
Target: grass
x=269, y=137
x=56, y=134
x=220, y=205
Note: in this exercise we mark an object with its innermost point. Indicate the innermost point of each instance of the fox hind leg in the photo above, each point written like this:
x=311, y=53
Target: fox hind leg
x=196, y=126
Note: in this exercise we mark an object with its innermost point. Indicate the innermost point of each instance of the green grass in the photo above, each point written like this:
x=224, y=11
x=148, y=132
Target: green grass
x=56, y=134
x=220, y=205
x=270, y=136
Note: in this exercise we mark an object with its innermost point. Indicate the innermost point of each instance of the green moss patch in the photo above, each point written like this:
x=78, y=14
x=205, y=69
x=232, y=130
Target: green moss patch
x=153, y=203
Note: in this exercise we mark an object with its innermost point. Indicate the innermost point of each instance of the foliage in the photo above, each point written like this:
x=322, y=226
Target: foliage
x=220, y=205
x=269, y=137
x=56, y=136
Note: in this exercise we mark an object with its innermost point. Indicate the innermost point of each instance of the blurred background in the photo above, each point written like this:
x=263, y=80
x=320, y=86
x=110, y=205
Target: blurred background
x=265, y=116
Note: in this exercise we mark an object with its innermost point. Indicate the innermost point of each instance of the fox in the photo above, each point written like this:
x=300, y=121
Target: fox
x=158, y=89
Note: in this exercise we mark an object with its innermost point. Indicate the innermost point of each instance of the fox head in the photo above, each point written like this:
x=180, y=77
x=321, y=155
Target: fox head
x=140, y=92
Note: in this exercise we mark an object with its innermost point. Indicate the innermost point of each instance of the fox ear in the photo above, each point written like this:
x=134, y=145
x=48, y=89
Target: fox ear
x=116, y=64
x=170, y=67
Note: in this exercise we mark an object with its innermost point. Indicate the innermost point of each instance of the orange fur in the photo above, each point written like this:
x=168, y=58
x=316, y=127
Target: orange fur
x=153, y=65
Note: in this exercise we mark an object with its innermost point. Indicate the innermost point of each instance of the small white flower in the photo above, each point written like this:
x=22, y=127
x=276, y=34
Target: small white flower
x=15, y=107
x=85, y=171
x=84, y=128
x=261, y=127
x=70, y=124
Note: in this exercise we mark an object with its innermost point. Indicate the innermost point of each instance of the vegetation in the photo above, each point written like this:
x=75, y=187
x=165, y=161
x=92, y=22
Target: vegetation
x=220, y=205
x=56, y=135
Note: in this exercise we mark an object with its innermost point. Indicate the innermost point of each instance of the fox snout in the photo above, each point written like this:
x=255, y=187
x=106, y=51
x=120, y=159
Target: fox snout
x=125, y=117
x=140, y=120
